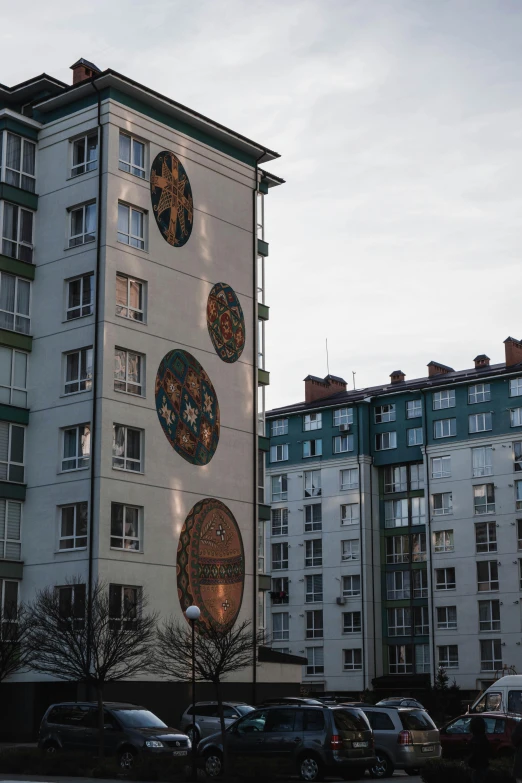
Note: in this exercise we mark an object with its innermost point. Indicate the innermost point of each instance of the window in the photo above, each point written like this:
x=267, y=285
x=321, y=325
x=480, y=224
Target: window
x=396, y=479
x=279, y=427
x=79, y=297
x=384, y=413
x=516, y=417
x=130, y=298
x=443, y=399
x=419, y=547
x=17, y=232
x=519, y=534
x=440, y=467
x=421, y=621
x=312, y=448
x=71, y=604
x=416, y=472
x=315, y=660
x=398, y=549
x=518, y=491
x=422, y=663
x=443, y=541
x=280, y=626
x=280, y=556
x=314, y=624
x=399, y=622
x=128, y=372
x=73, y=526
x=13, y=377
x=132, y=155
x=444, y=428
x=482, y=461
x=342, y=416
x=314, y=588
x=312, y=421
x=279, y=453
x=417, y=511
x=15, y=300
x=350, y=514
x=280, y=587
x=487, y=576
x=351, y=586
x=413, y=409
x=76, y=447
x=279, y=488
x=400, y=659
x=84, y=154
x=445, y=579
x=484, y=498
x=480, y=422
x=489, y=615
x=131, y=226
x=78, y=371
x=517, y=455
x=352, y=660
x=442, y=503
x=352, y=622
x=385, y=441
x=486, y=537
x=10, y=530
x=349, y=478
x=313, y=518
x=313, y=553
x=490, y=655
x=127, y=448
x=8, y=609
x=395, y=513
x=83, y=225
x=312, y=483
x=279, y=521
x=398, y=585
x=20, y=162
x=125, y=527
x=446, y=618
x=481, y=392
x=515, y=387
x=350, y=550
x=11, y=452
x=123, y=607
x=414, y=436
x=343, y=443
x=420, y=583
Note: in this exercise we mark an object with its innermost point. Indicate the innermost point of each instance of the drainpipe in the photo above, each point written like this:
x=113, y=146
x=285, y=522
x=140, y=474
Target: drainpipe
x=368, y=400
x=428, y=517
x=363, y=570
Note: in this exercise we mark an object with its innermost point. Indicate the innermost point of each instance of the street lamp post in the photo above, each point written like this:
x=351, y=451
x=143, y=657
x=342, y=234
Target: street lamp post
x=192, y=614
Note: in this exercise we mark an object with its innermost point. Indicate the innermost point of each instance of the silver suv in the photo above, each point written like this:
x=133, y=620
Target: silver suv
x=207, y=717
x=405, y=738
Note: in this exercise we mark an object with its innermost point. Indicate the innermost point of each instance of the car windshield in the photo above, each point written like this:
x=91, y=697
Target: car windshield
x=416, y=720
x=140, y=719
x=244, y=709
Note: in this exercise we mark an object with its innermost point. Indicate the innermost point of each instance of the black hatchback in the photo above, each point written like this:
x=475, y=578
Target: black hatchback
x=129, y=731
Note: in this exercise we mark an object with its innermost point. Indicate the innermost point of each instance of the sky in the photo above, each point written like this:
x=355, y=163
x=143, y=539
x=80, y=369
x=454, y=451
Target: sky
x=399, y=124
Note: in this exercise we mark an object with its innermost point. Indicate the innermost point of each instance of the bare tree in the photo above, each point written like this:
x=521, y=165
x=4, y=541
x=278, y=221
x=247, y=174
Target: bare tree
x=95, y=639
x=219, y=653
x=15, y=655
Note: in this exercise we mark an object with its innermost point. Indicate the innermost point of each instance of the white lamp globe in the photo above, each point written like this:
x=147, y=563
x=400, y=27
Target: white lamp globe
x=193, y=613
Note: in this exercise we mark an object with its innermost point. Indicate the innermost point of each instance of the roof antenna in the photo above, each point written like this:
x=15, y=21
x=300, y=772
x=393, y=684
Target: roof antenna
x=353, y=376
x=327, y=362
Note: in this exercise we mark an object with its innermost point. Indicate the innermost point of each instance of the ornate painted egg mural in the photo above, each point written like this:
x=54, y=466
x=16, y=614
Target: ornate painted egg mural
x=225, y=321
x=171, y=197
x=187, y=407
x=211, y=564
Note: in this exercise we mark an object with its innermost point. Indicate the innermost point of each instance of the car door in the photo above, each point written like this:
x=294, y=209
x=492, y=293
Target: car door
x=244, y=740
x=207, y=719
x=282, y=733
x=384, y=731
x=455, y=737
x=75, y=733
x=496, y=734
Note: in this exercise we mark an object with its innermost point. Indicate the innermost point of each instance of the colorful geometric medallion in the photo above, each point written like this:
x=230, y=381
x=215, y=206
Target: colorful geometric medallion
x=225, y=322
x=211, y=564
x=187, y=407
x=171, y=197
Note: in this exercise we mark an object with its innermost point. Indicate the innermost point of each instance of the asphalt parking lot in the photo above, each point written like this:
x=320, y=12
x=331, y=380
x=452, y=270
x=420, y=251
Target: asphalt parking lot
x=55, y=779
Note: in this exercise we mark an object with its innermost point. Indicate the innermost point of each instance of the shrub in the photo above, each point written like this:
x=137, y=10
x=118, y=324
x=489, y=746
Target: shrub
x=458, y=772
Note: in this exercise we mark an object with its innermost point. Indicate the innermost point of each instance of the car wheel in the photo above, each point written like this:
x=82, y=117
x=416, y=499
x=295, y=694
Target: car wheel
x=310, y=768
x=193, y=735
x=412, y=771
x=51, y=747
x=213, y=764
x=126, y=758
x=383, y=768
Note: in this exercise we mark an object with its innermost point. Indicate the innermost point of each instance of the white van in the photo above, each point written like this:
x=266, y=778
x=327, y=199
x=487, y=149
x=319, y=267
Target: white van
x=505, y=695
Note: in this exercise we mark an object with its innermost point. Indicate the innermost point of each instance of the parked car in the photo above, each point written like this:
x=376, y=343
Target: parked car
x=455, y=735
x=405, y=738
x=400, y=701
x=312, y=740
x=207, y=717
x=505, y=695
x=129, y=731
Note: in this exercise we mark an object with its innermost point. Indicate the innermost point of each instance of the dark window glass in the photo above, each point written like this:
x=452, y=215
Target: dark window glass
x=280, y=720
x=380, y=721
x=313, y=720
x=416, y=720
x=346, y=720
x=515, y=701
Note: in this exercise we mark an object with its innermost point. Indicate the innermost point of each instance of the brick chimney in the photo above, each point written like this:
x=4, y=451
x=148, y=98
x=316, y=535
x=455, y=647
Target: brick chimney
x=513, y=351
x=481, y=361
x=397, y=376
x=317, y=388
x=434, y=368
x=83, y=70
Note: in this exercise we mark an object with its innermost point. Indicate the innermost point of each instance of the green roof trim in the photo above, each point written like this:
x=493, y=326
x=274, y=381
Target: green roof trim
x=15, y=126
x=14, y=414
x=15, y=267
x=12, y=491
x=263, y=443
x=263, y=311
x=263, y=512
x=262, y=247
x=18, y=196
x=11, y=569
x=263, y=378
x=15, y=340
x=263, y=187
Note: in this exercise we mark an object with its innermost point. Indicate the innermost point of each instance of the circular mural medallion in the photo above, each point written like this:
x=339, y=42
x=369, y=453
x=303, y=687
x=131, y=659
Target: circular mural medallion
x=225, y=321
x=187, y=407
x=211, y=564
x=171, y=197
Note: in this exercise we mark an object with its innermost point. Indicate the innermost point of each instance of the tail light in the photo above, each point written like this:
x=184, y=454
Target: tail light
x=405, y=738
x=335, y=742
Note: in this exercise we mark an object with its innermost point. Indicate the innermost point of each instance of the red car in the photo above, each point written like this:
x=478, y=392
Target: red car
x=455, y=736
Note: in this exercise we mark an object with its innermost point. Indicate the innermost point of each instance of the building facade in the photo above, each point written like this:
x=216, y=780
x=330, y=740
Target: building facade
x=132, y=320
x=395, y=534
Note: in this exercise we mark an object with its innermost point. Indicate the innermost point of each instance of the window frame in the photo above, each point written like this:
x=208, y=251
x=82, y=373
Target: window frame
x=477, y=470
x=137, y=312
x=452, y=427
x=19, y=318
x=310, y=595
x=474, y=419
x=448, y=536
x=491, y=623
x=23, y=249
x=385, y=413
x=489, y=505
x=124, y=381
x=312, y=421
x=83, y=304
x=283, y=633
x=495, y=660
x=4, y=168
x=355, y=664
x=351, y=552
x=479, y=395
x=278, y=528
x=354, y=591
x=447, y=624
x=274, y=451
x=139, y=523
x=414, y=409
x=353, y=626
x=87, y=164
x=131, y=163
x=125, y=458
x=136, y=241
x=349, y=519
x=446, y=504
x=84, y=237
x=279, y=427
x=440, y=473
x=412, y=436
x=130, y=618
x=342, y=416
x=83, y=361
x=312, y=525
x=8, y=543
x=349, y=485
x=518, y=387
x=82, y=460
x=279, y=563
x=448, y=656
x=515, y=417
x=490, y=542
x=313, y=553
x=446, y=582
x=442, y=397
x=343, y=440
x=312, y=666
x=491, y=584
x=77, y=536
x=314, y=624
x=282, y=479
x=9, y=462
x=380, y=438
x=317, y=490
x=11, y=388
x=314, y=448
